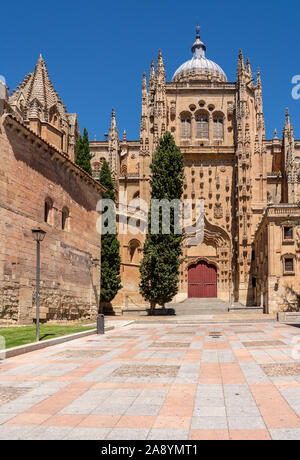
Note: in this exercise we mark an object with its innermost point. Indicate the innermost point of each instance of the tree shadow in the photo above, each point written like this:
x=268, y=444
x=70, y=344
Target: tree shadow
x=47, y=335
x=161, y=312
x=291, y=300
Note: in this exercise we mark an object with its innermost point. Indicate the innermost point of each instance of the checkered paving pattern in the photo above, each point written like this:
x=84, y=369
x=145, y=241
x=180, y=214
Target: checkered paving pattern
x=159, y=381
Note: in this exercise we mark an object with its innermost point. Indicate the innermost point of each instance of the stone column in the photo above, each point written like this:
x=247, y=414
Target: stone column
x=211, y=128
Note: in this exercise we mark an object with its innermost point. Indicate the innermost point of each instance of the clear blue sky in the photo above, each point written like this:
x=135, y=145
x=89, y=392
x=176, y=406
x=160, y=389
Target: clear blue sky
x=96, y=51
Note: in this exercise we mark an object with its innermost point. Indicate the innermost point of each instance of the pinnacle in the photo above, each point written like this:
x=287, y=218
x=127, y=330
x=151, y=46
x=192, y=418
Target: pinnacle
x=241, y=64
x=249, y=66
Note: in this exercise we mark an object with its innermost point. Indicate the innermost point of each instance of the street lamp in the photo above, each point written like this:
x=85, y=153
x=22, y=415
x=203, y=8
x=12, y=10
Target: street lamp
x=38, y=236
x=100, y=316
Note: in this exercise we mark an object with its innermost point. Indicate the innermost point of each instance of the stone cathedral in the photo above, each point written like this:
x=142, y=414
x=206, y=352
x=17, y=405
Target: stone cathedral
x=249, y=184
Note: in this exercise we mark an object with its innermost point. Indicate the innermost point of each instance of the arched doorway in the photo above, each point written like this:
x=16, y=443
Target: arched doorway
x=202, y=280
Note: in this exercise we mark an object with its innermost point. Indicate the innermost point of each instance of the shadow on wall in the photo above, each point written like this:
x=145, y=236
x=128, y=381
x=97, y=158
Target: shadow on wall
x=291, y=299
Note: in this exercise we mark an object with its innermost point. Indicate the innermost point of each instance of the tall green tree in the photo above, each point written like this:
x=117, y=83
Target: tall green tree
x=83, y=155
x=110, y=246
x=159, y=268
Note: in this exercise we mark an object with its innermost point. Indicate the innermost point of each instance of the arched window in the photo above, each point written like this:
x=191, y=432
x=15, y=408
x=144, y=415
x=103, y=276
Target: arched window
x=185, y=128
x=218, y=128
x=48, y=210
x=65, y=218
x=134, y=251
x=202, y=127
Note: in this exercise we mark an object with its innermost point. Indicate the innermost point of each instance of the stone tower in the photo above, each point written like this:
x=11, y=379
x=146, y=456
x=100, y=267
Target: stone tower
x=36, y=103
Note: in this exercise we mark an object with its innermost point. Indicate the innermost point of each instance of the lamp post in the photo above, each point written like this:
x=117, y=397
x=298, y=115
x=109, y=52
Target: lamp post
x=38, y=236
x=100, y=316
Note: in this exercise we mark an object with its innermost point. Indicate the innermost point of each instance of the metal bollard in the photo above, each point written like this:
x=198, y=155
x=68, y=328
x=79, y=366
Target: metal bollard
x=100, y=324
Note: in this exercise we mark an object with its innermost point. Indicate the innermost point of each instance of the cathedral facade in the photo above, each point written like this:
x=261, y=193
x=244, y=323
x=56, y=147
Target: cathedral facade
x=249, y=184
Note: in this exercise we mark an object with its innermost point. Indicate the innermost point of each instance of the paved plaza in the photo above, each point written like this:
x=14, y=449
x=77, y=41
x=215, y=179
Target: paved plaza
x=159, y=382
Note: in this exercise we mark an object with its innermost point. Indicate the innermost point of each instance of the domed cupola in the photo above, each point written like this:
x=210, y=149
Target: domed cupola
x=199, y=67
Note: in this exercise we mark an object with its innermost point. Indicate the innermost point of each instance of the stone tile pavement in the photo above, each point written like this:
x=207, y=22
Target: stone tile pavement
x=158, y=381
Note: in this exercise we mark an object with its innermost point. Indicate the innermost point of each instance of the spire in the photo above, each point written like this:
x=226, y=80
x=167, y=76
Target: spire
x=241, y=64
x=144, y=90
x=287, y=118
x=249, y=67
x=37, y=90
x=144, y=86
x=160, y=72
x=113, y=147
x=124, y=136
x=113, y=132
x=275, y=134
x=258, y=81
x=198, y=48
x=259, y=105
x=152, y=80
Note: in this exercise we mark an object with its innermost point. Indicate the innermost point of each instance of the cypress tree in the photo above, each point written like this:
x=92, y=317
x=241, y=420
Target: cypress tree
x=83, y=155
x=110, y=246
x=159, y=268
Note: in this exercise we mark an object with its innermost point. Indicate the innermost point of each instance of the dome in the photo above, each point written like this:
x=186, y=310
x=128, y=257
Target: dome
x=199, y=67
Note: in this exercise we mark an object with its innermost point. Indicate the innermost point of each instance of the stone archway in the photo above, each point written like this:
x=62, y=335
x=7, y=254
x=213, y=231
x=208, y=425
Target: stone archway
x=215, y=250
x=202, y=280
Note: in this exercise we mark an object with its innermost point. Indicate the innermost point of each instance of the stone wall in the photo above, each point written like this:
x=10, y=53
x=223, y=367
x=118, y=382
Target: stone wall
x=31, y=172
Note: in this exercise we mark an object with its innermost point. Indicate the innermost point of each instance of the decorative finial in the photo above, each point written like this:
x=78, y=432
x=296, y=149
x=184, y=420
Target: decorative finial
x=144, y=85
x=152, y=76
x=258, y=82
x=249, y=66
x=287, y=119
x=198, y=48
x=124, y=136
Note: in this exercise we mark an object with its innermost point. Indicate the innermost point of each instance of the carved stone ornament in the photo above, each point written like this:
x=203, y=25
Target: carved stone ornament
x=218, y=211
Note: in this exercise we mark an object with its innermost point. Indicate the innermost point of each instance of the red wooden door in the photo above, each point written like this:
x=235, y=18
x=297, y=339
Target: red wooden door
x=202, y=281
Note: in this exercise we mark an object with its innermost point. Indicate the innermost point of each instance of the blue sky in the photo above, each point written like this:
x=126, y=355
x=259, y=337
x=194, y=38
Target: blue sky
x=96, y=51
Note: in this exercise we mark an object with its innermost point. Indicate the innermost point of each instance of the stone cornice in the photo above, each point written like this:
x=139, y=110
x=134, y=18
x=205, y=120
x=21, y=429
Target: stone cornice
x=278, y=212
